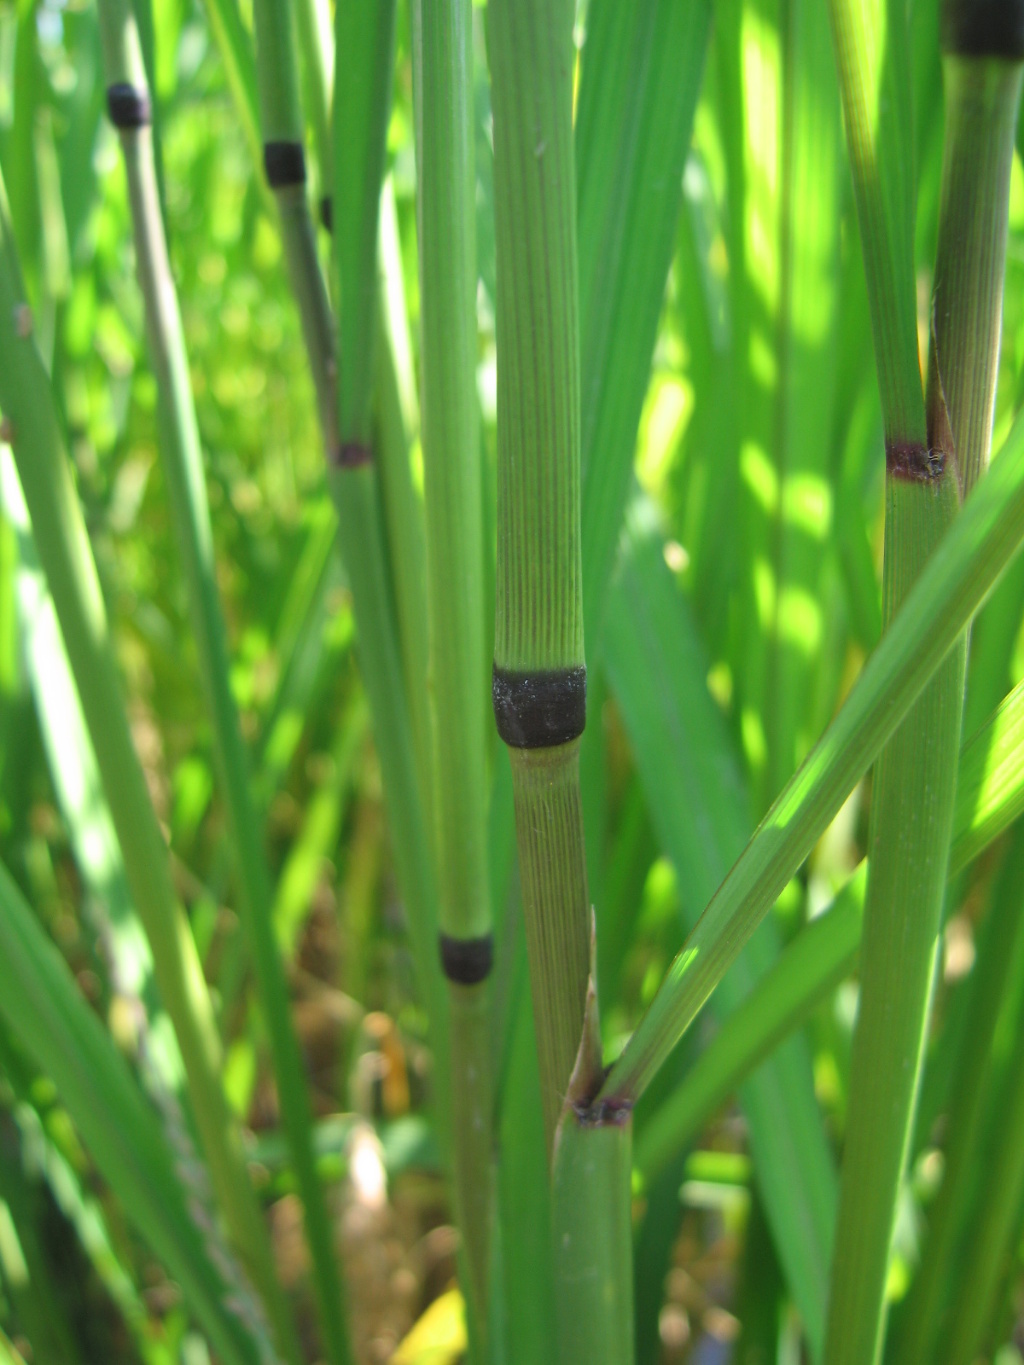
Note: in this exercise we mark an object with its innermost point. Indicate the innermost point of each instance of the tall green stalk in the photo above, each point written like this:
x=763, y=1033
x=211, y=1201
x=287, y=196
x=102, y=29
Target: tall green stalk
x=443, y=65
x=592, y=1216
x=128, y=97
x=928, y=469
x=350, y=473
x=539, y=672
x=364, y=47
x=67, y=560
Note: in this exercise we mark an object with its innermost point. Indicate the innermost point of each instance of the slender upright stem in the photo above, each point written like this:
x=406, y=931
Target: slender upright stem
x=995, y=983
x=927, y=470
x=66, y=557
x=180, y=447
x=443, y=63
x=351, y=476
x=539, y=671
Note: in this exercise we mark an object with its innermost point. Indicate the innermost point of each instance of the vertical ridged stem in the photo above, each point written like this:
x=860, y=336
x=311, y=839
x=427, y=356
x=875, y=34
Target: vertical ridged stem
x=539, y=677
x=988, y=1238
x=365, y=44
x=352, y=481
x=553, y=875
x=592, y=1213
x=982, y=99
x=915, y=778
x=364, y=53
x=66, y=557
x=180, y=447
x=443, y=64
x=397, y=426
x=1000, y=957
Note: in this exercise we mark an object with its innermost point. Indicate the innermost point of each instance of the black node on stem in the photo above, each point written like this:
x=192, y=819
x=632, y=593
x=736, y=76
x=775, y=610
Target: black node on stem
x=285, y=164
x=984, y=28
x=467, y=961
x=537, y=710
x=351, y=455
x=129, y=106
x=327, y=212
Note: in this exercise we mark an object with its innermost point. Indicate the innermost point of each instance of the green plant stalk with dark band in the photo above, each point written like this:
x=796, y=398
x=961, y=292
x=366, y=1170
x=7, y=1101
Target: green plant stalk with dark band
x=928, y=470
x=351, y=477
x=179, y=441
x=66, y=557
x=539, y=672
x=982, y=100
x=443, y=66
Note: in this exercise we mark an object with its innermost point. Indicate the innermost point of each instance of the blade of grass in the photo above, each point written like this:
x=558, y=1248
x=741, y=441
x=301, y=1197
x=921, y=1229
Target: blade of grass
x=78, y=785
x=640, y=75
x=446, y=190
x=699, y=809
x=66, y=557
x=810, y=220
x=41, y=1005
x=129, y=106
x=807, y=971
x=959, y=577
x=990, y=784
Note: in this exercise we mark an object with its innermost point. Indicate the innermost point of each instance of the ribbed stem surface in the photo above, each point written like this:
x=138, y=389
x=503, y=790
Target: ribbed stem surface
x=365, y=42
x=982, y=98
x=915, y=778
x=553, y=874
x=539, y=615
x=454, y=515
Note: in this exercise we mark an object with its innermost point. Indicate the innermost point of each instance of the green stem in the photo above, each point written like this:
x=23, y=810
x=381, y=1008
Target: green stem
x=539, y=673
x=592, y=1216
x=915, y=779
x=996, y=977
x=67, y=560
x=989, y=1235
x=352, y=483
x=443, y=62
x=180, y=447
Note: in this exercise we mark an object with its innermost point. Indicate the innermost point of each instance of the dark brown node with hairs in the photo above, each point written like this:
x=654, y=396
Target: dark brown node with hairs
x=913, y=462
x=352, y=455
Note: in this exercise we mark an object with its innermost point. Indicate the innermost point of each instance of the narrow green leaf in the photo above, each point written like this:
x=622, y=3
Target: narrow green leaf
x=699, y=809
x=640, y=75
x=960, y=575
x=41, y=1005
x=66, y=557
x=806, y=972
